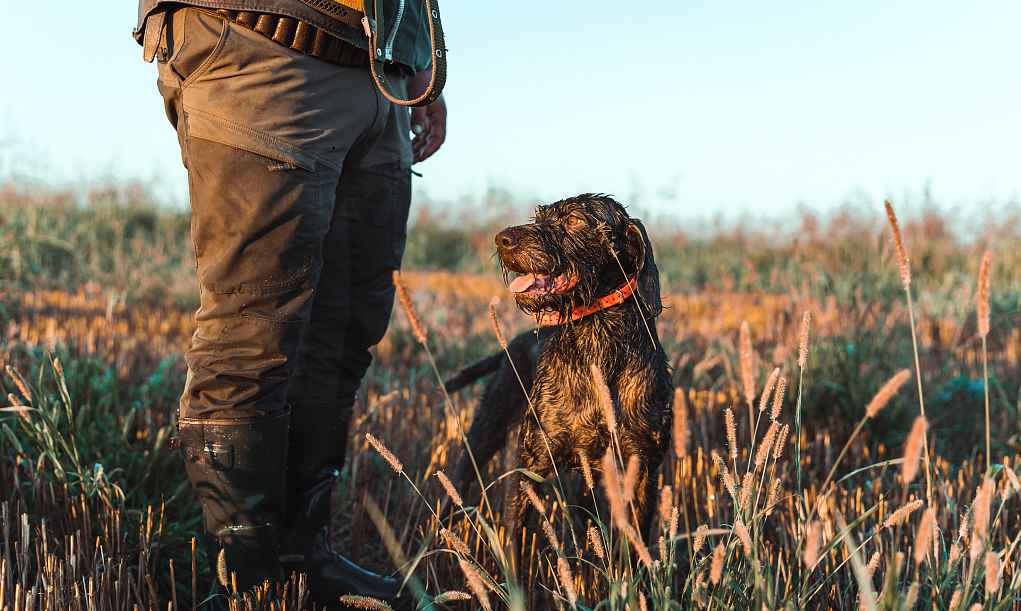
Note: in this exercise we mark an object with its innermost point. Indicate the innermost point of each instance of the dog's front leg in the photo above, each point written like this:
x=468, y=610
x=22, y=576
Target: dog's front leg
x=532, y=455
x=645, y=503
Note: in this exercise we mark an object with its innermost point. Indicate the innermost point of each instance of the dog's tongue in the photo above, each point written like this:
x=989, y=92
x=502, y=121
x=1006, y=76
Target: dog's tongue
x=523, y=283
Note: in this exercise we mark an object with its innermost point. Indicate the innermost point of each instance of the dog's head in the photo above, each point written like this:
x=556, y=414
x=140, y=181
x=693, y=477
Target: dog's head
x=575, y=251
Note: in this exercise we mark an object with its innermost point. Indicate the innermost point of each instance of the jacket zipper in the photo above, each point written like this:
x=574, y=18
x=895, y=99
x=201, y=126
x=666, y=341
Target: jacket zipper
x=388, y=51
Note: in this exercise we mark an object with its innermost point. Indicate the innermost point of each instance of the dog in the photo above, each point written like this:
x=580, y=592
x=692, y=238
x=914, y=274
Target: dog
x=585, y=270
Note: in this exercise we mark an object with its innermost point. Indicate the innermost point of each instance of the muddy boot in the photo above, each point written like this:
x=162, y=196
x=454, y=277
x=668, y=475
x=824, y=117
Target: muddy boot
x=306, y=548
x=237, y=469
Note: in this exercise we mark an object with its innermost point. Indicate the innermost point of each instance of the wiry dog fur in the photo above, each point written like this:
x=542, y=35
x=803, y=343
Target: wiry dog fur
x=579, y=237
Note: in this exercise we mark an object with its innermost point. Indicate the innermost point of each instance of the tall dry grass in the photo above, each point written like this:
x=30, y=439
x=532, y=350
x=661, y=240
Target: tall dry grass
x=816, y=499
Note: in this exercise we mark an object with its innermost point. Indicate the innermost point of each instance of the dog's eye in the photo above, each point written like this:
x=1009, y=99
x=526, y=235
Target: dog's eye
x=575, y=222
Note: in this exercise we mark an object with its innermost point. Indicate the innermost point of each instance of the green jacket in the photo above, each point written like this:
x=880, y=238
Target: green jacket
x=402, y=26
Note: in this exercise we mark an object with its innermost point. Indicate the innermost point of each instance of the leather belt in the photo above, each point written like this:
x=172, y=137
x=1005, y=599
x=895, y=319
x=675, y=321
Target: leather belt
x=302, y=37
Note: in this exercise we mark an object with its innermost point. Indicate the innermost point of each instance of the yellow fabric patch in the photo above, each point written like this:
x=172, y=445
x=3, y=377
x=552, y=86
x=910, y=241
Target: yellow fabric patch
x=358, y=5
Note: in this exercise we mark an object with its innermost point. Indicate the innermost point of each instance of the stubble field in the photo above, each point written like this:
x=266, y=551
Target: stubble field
x=891, y=511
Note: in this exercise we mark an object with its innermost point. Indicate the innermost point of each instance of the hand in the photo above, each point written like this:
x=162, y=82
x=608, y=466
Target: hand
x=429, y=123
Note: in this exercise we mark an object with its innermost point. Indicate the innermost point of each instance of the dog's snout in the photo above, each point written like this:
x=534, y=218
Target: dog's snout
x=506, y=239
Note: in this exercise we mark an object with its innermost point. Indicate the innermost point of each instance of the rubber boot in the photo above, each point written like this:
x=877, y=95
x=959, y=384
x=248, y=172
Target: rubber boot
x=237, y=470
x=307, y=548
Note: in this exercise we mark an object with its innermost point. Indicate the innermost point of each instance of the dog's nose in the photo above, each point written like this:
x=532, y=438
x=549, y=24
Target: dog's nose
x=506, y=239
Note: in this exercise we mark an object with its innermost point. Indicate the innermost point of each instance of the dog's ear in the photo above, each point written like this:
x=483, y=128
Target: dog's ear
x=639, y=249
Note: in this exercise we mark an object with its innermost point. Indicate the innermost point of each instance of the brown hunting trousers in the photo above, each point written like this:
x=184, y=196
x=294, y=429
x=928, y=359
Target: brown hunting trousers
x=300, y=181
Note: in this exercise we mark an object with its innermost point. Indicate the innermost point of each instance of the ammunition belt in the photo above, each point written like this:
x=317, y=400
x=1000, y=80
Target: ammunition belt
x=302, y=37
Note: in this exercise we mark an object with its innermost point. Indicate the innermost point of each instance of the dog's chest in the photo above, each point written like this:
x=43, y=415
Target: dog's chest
x=568, y=399
x=566, y=396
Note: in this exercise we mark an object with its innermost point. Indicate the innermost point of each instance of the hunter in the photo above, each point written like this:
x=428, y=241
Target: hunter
x=293, y=122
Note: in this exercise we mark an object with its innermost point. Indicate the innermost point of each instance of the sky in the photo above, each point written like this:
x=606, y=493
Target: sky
x=694, y=109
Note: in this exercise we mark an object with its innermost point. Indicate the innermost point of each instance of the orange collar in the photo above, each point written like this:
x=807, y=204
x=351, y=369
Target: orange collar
x=618, y=296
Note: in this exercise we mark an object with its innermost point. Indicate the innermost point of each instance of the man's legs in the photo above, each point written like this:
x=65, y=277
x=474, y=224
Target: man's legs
x=264, y=132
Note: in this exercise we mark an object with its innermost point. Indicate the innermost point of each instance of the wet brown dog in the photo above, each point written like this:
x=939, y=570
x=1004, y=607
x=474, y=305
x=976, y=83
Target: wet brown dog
x=586, y=270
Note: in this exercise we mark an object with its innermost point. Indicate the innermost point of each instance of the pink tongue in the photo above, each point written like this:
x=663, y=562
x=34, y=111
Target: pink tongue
x=522, y=283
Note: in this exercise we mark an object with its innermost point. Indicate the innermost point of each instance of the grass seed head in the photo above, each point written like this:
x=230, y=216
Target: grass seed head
x=636, y=542
x=766, y=444
x=873, y=564
x=980, y=511
x=747, y=487
x=551, y=535
x=417, y=329
x=385, y=452
x=611, y=482
x=812, y=542
x=586, y=470
x=731, y=425
x=450, y=489
x=455, y=542
x=475, y=583
x=666, y=504
x=781, y=390
x=596, y=541
x=747, y=362
x=806, y=323
x=728, y=480
x=902, y=513
x=902, y=254
x=451, y=596
x=19, y=383
x=680, y=423
x=567, y=580
x=767, y=390
x=992, y=573
x=494, y=320
x=631, y=476
x=913, y=451
x=781, y=441
x=700, y=536
x=364, y=602
x=923, y=537
x=716, y=568
x=743, y=536
x=533, y=498
x=982, y=306
x=887, y=392
x=604, y=398
x=774, y=495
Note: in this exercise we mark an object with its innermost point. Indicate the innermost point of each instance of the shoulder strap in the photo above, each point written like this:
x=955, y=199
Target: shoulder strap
x=438, y=73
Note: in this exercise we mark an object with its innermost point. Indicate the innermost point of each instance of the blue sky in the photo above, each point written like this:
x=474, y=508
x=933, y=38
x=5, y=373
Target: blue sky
x=690, y=108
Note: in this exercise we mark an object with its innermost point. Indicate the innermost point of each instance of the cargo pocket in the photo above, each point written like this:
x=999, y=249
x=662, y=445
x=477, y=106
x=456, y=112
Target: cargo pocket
x=258, y=218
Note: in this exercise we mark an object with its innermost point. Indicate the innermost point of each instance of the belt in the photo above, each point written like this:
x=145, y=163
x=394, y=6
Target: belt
x=302, y=37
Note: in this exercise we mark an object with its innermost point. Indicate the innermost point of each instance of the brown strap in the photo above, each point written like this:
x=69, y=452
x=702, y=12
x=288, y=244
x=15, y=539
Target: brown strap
x=299, y=36
x=438, y=73
x=618, y=296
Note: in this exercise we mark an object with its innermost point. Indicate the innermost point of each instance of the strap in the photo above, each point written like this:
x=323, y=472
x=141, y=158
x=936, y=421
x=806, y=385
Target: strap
x=438, y=72
x=618, y=296
x=299, y=35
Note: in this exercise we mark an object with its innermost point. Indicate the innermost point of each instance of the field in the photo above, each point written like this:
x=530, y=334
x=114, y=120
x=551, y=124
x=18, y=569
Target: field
x=848, y=500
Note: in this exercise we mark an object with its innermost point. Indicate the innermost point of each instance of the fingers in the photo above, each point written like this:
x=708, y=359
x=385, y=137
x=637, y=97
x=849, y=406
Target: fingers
x=430, y=127
x=429, y=142
x=419, y=141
